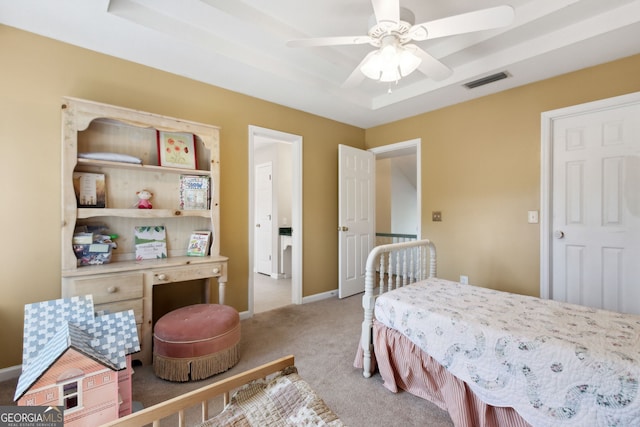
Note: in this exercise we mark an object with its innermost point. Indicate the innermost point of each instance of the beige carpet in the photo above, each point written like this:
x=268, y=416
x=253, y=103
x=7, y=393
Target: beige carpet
x=323, y=337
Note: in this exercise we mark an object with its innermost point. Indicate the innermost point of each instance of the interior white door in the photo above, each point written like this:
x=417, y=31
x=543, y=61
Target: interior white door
x=356, y=217
x=595, y=226
x=263, y=217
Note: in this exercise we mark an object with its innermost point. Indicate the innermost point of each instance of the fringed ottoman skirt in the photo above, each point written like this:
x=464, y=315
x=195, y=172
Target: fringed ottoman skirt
x=196, y=342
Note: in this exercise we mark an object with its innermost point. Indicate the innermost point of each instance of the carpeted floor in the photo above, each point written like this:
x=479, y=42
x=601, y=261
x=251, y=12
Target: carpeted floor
x=323, y=337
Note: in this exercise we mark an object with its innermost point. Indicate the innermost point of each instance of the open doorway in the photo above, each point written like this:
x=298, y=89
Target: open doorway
x=275, y=219
x=398, y=205
x=396, y=214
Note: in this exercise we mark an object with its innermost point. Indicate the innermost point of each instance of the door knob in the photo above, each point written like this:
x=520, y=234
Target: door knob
x=558, y=234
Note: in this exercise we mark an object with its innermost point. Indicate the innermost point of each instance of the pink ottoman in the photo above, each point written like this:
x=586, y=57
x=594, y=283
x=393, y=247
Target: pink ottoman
x=196, y=342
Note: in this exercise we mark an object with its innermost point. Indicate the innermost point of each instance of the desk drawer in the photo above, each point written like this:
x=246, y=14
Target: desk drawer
x=114, y=307
x=111, y=288
x=188, y=272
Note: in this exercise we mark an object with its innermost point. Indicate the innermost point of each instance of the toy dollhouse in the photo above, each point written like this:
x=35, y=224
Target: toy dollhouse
x=75, y=359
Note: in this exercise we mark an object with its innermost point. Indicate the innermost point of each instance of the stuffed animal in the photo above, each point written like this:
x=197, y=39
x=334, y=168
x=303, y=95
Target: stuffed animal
x=144, y=199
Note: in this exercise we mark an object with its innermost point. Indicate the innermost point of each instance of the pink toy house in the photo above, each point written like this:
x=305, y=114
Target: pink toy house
x=77, y=360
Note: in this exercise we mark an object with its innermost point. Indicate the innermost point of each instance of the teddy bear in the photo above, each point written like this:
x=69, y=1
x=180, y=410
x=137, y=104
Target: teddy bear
x=144, y=199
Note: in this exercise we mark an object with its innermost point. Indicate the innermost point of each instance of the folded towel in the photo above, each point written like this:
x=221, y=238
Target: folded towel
x=111, y=157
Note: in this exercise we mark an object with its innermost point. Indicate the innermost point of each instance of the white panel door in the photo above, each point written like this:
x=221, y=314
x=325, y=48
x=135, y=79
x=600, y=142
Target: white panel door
x=356, y=222
x=596, y=209
x=263, y=217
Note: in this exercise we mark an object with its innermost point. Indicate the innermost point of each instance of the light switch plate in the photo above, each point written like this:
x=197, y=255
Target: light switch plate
x=532, y=217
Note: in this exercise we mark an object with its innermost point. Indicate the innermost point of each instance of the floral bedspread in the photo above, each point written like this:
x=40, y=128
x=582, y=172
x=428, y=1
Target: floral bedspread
x=557, y=364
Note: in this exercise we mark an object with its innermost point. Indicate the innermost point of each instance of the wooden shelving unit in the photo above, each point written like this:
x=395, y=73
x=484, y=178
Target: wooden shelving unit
x=126, y=283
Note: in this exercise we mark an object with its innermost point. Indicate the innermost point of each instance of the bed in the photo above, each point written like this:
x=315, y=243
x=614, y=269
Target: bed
x=492, y=358
x=271, y=394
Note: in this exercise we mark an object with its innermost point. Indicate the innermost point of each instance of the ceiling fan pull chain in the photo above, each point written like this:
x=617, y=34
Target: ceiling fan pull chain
x=390, y=83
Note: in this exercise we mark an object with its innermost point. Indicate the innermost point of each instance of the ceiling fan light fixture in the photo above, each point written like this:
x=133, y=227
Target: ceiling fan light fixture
x=408, y=61
x=390, y=63
x=392, y=29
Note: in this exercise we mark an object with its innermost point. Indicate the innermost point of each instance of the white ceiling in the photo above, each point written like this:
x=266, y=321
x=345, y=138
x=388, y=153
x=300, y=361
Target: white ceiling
x=240, y=45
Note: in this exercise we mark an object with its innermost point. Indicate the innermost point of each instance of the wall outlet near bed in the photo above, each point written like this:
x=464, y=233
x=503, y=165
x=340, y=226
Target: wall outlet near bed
x=464, y=280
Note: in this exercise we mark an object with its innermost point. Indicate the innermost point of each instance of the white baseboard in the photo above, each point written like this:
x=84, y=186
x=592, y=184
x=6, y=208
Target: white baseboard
x=319, y=297
x=279, y=276
x=10, y=373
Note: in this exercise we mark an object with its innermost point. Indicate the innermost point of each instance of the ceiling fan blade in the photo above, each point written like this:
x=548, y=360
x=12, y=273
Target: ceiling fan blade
x=356, y=77
x=386, y=11
x=430, y=65
x=484, y=19
x=330, y=41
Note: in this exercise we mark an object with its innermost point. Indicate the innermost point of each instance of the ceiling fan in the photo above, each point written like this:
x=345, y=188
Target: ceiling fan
x=392, y=29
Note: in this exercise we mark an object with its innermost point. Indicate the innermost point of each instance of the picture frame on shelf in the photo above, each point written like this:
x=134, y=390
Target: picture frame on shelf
x=195, y=192
x=150, y=242
x=177, y=150
x=199, y=243
x=90, y=189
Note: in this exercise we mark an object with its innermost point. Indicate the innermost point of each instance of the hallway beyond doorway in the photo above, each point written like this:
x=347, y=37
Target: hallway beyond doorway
x=269, y=294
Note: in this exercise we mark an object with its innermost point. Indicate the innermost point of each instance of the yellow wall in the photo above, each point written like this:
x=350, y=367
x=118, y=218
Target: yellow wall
x=36, y=72
x=481, y=168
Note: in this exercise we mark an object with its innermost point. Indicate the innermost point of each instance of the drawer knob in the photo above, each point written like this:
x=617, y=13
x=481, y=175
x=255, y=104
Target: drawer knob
x=112, y=289
x=162, y=276
x=216, y=270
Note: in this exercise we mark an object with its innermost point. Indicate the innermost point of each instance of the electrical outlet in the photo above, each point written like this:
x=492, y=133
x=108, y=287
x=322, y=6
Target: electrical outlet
x=464, y=280
x=436, y=216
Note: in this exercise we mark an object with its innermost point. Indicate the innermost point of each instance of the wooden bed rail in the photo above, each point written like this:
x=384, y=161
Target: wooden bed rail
x=201, y=396
x=393, y=265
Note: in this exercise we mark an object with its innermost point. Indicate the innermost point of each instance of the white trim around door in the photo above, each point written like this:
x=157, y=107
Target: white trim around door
x=256, y=132
x=412, y=146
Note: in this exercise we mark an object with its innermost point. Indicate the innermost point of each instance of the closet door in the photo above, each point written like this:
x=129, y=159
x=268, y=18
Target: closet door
x=595, y=240
x=264, y=218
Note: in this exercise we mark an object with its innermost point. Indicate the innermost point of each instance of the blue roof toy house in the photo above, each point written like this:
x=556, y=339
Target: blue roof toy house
x=75, y=359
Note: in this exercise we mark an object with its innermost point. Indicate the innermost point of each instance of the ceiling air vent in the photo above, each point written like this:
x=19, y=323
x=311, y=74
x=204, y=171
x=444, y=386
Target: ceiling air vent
x=486, y=80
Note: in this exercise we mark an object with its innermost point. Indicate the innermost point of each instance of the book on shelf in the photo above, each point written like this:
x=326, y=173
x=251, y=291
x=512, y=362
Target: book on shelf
x=90, y=189
x=195, y=192
x=199, y=243
x=150, y=242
